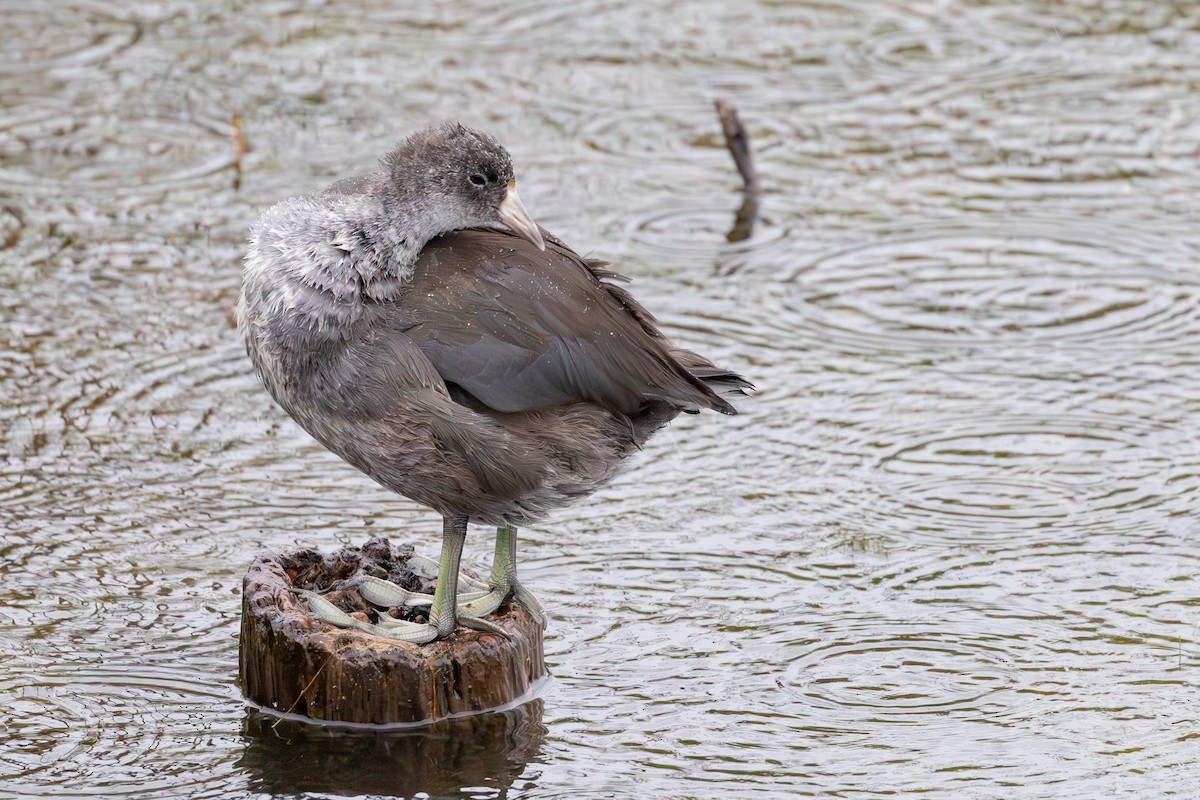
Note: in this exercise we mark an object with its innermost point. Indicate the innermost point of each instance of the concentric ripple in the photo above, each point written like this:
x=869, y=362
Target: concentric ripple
x=54, y=728
x=1049, y=17
x=679, y=134
x=82, y=33
x=695, y=236
x=936, y=52
x=999, y=479
x=913, y=57
x=60, y=149
x=938, y=288
x=42, y=727
x=935, y=664
x=91, y=731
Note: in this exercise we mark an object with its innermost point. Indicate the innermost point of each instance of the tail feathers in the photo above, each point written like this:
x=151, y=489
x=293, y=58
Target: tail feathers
x=724, y=382
x=721, y=382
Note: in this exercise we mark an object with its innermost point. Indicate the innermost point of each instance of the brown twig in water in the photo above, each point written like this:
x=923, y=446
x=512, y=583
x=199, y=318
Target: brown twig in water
x=739, y=147
x=240, y=148
x=738, y=143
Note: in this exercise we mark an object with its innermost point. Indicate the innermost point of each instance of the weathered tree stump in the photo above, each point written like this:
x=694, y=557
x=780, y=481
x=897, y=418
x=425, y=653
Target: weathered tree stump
x=291, y=662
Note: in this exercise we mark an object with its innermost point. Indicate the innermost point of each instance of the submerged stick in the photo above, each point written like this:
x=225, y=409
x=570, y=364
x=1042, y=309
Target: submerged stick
x=240, y=149
x=738, y=143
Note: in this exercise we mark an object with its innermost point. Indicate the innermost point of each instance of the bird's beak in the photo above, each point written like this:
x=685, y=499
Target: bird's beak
x=514, y=215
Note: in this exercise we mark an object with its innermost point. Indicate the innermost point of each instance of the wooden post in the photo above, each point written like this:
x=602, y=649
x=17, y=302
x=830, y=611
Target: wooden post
x=290, y=662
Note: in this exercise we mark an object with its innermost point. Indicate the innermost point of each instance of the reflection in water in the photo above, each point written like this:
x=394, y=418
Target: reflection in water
x=951, y=545
x=476, y=756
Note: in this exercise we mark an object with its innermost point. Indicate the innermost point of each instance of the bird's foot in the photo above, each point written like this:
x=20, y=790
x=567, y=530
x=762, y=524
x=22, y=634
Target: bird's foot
x=479, y=598
x=389, y=628
x=484, y=596
x=428, y=567
x=501, y=588
x=385, y=593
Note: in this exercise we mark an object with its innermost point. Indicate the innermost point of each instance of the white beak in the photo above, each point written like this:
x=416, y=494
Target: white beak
x=514, y=215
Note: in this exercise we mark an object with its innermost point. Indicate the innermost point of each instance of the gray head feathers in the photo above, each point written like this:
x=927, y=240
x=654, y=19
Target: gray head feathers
x=448, y=149
x=460, y=176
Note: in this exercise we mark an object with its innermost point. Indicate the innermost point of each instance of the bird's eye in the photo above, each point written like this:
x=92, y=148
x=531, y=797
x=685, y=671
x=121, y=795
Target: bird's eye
x=478, y=180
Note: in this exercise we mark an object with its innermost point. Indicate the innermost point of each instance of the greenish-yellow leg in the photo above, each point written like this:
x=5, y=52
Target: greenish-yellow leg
x=444, y=614
x=503, y=581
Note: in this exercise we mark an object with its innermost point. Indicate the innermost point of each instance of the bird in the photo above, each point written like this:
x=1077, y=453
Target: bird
x=417, y=323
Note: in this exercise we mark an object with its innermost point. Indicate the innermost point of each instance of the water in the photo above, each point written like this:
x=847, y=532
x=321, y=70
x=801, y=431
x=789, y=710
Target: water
x=949, y=550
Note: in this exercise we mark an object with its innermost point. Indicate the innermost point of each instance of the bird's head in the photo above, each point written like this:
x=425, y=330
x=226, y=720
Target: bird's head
x=465, y=178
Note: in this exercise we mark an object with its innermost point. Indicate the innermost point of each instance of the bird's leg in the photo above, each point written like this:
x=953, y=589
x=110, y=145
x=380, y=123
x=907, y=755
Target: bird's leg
x=444, y=613
x=503, y=580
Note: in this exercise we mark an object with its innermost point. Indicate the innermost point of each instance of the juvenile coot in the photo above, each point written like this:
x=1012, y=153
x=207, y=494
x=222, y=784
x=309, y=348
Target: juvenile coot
x=418, y=323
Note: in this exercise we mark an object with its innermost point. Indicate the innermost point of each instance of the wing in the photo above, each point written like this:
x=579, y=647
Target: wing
x=520, y=329
x=380, y=404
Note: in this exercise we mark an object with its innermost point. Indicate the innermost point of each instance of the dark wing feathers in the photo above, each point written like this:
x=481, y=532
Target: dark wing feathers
x=520, y=329
x=373, y=376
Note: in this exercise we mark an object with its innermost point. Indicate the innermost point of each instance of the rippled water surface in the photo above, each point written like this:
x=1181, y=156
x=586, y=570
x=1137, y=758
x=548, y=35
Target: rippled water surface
x=950, y=549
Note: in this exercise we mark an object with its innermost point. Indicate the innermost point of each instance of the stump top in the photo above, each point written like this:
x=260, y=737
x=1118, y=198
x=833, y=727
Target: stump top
x=292, y=662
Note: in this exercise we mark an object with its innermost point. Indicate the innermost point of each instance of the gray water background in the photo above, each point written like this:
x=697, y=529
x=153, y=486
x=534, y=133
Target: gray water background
x=949, y=551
